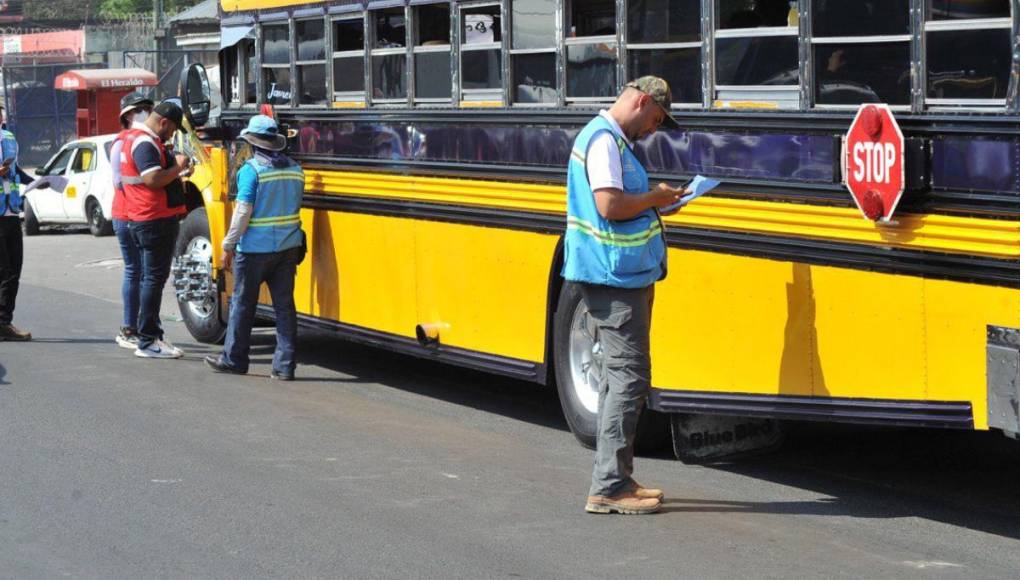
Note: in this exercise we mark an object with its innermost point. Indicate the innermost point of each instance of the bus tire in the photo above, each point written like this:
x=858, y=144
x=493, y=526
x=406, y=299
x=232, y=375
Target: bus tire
x=576, y=383
x=193, y=268
x=577, y=379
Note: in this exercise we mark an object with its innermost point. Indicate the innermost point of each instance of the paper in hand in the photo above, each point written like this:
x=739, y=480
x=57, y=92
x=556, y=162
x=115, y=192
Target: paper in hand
x=699, y=186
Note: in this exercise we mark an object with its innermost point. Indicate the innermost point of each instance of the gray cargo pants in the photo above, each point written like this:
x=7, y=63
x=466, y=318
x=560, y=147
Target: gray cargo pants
x=622, y=319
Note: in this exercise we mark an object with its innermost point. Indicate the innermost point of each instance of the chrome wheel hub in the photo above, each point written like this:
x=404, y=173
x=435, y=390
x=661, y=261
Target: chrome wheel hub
x=585, y=359
x=193, y=280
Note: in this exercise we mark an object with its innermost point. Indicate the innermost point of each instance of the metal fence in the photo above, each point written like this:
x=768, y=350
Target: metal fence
x=168, y=65
x=41, y=117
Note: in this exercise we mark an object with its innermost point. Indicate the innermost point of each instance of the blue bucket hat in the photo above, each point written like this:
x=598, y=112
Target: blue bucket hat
x=264, y=133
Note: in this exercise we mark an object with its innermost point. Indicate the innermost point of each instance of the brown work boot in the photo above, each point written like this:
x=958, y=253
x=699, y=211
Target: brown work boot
x=10, y=333
x=625, y=502
x=647, y=492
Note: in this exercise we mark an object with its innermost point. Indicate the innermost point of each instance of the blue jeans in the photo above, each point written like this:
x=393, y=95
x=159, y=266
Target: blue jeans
x=277, y=270
x=131, y=286
x=155, y=240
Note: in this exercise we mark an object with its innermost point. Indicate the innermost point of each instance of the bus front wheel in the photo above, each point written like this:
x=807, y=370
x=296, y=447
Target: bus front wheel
x=577, y=360
x=194, y=280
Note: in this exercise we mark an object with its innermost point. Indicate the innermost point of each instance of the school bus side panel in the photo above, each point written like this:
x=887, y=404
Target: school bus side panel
x=487, y=287
x=749, y=325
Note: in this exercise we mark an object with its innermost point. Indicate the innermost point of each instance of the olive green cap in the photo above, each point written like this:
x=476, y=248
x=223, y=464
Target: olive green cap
x=658, y=90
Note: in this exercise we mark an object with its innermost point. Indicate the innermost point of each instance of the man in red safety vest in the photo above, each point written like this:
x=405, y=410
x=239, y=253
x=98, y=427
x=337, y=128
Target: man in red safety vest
x=153, y=205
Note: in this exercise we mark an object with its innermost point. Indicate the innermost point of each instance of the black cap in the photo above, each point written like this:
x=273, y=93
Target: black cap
x=132, y=101
x=171, y=110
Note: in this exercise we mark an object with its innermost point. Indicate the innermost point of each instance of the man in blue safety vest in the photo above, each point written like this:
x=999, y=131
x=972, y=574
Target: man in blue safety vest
x=12, y=249
x=615, y=252
x=265, y=244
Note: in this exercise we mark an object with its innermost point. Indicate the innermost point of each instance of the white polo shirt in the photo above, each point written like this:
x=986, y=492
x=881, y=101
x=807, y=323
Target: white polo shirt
x=604, y=164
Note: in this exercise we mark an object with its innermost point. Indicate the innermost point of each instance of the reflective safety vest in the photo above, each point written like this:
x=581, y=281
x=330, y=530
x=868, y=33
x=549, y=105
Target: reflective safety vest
x=142, y=203
x=275, y=223
x=118, y=211
x=620, y=253
x=10, y=195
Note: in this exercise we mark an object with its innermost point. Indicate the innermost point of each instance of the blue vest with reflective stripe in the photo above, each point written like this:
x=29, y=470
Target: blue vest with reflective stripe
x=275, y=223
x=625, y=254
x=11, y=182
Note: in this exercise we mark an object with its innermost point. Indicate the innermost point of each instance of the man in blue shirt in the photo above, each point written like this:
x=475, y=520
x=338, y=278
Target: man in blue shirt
x=265, y=244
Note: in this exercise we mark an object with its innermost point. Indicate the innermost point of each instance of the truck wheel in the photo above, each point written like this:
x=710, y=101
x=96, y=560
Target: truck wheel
x=98, y=224
x=198, y=295
x=31, y=224
x=578, y=370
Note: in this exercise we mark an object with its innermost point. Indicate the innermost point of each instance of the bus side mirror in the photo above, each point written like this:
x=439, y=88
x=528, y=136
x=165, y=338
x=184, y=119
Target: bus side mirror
x=196, y=94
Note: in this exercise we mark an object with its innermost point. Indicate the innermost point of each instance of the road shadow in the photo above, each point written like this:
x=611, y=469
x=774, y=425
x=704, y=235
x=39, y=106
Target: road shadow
x=961, y=478
x=510, y=398
x=966, y=479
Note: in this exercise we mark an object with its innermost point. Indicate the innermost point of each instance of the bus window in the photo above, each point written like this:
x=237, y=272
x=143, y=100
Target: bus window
x=349, y=59
x=276, y=64
x=664, y=39
x=533, y=51
x=968, y=52
x=231, y=83
x=481, y=53
x=592, y=18
x=967, y=9
x=389, y=58
x=311, y=61
x=591, y=50
x=757, y=61
x=432, y=80
x=755, y=13
x=861, y=52
x=249, y=69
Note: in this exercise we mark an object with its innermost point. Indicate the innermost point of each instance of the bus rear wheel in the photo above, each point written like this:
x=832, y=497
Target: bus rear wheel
x=577, y=362
x=198, y=295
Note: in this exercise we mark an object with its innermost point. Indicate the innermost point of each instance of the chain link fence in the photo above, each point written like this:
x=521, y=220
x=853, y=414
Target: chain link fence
x=41, y=117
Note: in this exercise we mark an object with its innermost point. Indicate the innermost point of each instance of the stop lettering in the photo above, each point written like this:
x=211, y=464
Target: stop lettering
x=873, y=162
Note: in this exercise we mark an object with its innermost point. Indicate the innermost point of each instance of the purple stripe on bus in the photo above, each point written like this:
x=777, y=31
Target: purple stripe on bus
x=980, y=165
x=791, y=158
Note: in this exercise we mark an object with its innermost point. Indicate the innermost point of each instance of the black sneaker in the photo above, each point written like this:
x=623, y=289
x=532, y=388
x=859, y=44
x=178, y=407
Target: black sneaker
x=217, y=364
x=10, y=333
x=278, y=376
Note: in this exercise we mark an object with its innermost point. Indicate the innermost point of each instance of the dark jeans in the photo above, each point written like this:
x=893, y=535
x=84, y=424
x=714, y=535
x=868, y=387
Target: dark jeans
x=155, y=240
x=277, y=270
x=131, y=286
x=12, y=254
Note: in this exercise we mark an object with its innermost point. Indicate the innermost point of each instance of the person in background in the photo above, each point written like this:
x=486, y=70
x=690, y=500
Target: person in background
x=134, y=108
x=12, y=248
x=153, y=211
x=265, y=244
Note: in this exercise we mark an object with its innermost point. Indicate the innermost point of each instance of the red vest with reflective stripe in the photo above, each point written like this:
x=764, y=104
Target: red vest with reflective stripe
x=141, y=202
x=119, y=212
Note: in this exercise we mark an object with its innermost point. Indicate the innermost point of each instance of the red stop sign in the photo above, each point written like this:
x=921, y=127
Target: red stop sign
x=873, y=161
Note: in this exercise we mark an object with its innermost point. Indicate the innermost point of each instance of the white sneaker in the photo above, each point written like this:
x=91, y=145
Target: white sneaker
x=178, y=353
x=159, y=349
x=125, y=341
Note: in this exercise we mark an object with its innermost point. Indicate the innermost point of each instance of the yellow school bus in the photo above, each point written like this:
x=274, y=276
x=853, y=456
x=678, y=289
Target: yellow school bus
x=435, y=137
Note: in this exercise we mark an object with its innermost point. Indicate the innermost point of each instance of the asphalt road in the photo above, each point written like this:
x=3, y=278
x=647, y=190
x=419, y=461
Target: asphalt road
x=375, y=465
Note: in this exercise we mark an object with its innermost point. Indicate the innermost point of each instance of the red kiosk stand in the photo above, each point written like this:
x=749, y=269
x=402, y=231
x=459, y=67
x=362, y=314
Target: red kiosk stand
x=99, y=94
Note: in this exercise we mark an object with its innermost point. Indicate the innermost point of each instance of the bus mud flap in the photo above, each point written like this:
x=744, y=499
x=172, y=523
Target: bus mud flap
x=707, y=438
x=1004, y=379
